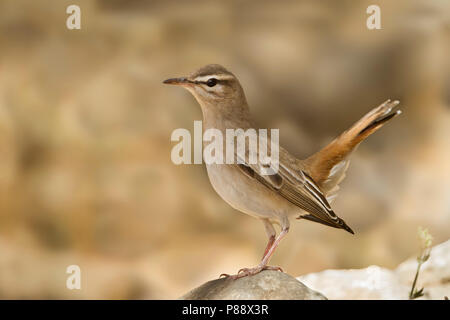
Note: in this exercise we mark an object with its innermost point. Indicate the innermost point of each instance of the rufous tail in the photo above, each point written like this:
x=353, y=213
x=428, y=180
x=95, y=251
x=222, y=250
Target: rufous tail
x=327, y=167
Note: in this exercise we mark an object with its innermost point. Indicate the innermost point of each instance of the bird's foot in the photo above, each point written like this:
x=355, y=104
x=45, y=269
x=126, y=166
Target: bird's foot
x=244, y=272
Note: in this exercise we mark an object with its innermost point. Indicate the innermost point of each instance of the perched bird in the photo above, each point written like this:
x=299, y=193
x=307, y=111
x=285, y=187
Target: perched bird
x=302, y=188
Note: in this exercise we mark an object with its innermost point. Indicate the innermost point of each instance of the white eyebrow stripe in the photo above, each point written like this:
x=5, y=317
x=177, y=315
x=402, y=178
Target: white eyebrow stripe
x=218, y=77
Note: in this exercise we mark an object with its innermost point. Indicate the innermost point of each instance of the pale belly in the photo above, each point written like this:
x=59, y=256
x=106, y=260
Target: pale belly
x=248, y=195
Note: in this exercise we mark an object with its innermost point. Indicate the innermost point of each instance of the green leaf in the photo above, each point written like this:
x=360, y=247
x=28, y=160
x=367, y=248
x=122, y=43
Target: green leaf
x=418, y=294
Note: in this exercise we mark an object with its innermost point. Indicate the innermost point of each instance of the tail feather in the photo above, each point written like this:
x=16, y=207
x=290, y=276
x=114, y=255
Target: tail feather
x=340, y=225
x=327, y=167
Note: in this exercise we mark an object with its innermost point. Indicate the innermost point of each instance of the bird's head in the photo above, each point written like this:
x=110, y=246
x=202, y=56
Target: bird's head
x=214, y=87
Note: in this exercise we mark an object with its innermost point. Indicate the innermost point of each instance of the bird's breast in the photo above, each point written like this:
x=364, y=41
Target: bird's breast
x=245, y=193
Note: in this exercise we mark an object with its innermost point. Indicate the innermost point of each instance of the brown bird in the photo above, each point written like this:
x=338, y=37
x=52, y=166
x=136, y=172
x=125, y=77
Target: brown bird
x=302, y=188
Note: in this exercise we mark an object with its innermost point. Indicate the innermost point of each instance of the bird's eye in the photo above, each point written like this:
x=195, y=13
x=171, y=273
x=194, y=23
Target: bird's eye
x=211, y=82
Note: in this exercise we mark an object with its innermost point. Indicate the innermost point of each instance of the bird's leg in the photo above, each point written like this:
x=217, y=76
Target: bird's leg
x=270, y=230
x=263, y=264
x=271, y=250
x=271, y=246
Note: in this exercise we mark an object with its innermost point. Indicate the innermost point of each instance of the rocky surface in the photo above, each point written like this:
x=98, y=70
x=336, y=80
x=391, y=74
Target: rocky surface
x=373, y=282
x=267, y=285
x=379, y=283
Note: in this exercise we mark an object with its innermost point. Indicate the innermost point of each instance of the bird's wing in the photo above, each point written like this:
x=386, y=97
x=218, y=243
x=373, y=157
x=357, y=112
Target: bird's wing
x=294, y=185
x=328, y=166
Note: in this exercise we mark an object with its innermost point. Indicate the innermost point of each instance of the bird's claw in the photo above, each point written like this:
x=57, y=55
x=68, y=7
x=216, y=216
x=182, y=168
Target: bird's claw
x=273, y=268
x=244, y=272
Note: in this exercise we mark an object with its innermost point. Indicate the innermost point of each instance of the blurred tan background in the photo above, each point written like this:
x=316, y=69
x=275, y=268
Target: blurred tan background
x=85, y=122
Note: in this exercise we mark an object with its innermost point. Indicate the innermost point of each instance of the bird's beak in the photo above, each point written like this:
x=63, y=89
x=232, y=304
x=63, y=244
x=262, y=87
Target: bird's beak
x=177, y=81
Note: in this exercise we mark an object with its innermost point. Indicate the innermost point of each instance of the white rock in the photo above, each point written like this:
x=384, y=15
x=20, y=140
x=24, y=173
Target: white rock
x=379, y=283
x=370, y=283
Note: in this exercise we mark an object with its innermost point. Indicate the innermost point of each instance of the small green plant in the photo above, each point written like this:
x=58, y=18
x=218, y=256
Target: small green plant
x=426, y=241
